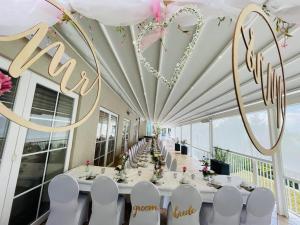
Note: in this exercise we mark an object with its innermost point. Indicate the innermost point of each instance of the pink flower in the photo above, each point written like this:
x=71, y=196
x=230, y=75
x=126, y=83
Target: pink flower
x=87, y=162
x=184, y=169
x=5, y=83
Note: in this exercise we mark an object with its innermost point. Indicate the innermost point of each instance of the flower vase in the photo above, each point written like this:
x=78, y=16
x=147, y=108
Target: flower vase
x=87, y=168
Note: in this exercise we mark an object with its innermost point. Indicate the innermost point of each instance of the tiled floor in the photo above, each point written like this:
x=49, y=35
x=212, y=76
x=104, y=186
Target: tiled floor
x=279, y=220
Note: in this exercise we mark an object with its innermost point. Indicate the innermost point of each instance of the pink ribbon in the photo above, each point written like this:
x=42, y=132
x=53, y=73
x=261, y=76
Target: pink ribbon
x=156, y=34
x=156, y=10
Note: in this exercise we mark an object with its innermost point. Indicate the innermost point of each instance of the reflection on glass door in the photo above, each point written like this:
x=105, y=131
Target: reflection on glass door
x=43, y=155
x=102, y=129
x=106, y=138
x=112, y=140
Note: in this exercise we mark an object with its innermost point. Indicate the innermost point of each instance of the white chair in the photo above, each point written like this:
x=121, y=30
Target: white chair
x=226, y=209
x=173, y=165
x=107, y=206
x=259, y=208
x=185, y=206
x=145, y=202
x=169, y=160
x=66, y=205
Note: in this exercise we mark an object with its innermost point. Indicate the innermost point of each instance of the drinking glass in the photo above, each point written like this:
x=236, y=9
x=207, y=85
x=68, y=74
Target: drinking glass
x=193, y=176
x=175, y=175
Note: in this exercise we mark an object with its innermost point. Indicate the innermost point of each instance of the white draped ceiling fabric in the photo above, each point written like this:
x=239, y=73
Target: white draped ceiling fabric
x=21, y=14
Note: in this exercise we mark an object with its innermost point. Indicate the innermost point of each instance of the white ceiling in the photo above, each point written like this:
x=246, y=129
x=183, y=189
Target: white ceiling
x=205, y=85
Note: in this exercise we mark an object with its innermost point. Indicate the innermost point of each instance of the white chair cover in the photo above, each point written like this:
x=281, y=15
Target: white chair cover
x=145, y=194
x=259, y=207
x=185, y=206
x=65, y=206
x=174, y=165
x=169, y=160
x=107, y=209
x=226, y=208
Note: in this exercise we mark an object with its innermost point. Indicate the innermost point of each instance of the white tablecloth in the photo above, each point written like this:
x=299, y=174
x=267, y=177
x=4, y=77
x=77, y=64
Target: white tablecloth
x=166, y=185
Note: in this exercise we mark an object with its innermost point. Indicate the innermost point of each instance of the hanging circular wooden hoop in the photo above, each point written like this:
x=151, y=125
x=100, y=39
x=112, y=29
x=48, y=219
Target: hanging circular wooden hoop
x=28, y=124
x=252, y=8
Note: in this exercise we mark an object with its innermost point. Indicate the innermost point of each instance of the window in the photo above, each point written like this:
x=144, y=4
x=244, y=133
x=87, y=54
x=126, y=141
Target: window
x=102, y=129
x=237, y=139
x=200, y=140
x=106, y=138
x=291, y=142
x=125, y=135
x=44, y=155
x=178, y=133
x=186, y=133
x=8, y=100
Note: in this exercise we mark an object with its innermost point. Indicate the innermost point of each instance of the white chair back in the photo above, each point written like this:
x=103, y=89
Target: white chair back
x=145, y=202
x=63, y=193
x=173, y=165
x=260, y=206
x=227, y=206
x=169, y=160
x=104, y=195
x=186, y=203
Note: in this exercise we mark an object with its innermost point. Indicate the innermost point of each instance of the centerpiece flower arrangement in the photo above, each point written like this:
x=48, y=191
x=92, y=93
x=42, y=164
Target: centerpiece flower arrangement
x=122, y=161
x=158, y=169
x=87, y=164
x=184, y=179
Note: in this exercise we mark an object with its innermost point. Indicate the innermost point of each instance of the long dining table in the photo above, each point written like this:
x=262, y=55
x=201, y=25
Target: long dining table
x=165, y=185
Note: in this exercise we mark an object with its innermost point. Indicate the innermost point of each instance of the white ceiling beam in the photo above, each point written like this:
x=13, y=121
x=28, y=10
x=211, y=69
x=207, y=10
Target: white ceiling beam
x=290, y=79
x=122, y=66
x=106, y=69
x=286, y=62
x=177, y=83
x=269, y=46
x=134, y=35
x=204, y=73
x=161, y=55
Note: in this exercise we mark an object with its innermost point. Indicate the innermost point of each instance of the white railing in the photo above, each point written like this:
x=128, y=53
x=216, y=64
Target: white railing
x=199, y=153
x=260, y=172
x=293, y=194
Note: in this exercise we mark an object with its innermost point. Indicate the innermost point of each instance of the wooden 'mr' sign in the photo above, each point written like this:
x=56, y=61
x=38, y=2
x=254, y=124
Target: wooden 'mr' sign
x=31, y=53
x=272, y=87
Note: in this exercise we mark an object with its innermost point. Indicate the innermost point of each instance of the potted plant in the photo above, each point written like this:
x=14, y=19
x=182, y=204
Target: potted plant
x=177, y=145
x=218, y=164
x=184, y=148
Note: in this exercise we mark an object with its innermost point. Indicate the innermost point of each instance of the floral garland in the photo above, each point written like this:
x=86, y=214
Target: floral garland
x=151, y=26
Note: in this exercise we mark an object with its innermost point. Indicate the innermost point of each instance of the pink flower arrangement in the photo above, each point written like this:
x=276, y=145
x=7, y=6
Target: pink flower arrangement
x=87, y=162
x=184, y=169
x=5, y=83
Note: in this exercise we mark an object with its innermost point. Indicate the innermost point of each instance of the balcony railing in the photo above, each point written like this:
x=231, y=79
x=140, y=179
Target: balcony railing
x=260, y=172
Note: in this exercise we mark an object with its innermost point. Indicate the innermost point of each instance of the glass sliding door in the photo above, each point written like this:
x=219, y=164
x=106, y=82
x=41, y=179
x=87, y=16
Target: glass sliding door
x=102, y=129
x=44, y=155
x=106, y=138
x=112, y=140
x=36, y=157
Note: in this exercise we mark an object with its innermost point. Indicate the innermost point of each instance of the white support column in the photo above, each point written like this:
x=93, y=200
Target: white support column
x=211, y=137
x=191, y=140
x=181, y=134
x=279, y=179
